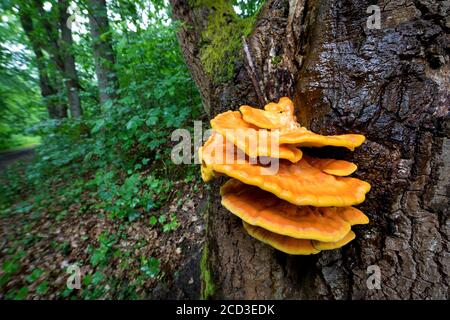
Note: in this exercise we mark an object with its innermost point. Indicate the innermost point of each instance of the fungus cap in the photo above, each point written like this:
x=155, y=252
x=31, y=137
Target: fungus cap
x=282, y=243
x=261, y=208
x=252, y=140
x=274, y=116
x=298, y=183
x=294, y=246
x=320, y=245
x=332, y=166
x=280, y=118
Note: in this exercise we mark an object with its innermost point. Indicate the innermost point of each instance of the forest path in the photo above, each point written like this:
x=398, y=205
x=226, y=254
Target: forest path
x=9, y=157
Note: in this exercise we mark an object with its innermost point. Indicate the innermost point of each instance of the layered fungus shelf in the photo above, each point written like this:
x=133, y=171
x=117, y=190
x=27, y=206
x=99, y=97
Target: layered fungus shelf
x=295, y=203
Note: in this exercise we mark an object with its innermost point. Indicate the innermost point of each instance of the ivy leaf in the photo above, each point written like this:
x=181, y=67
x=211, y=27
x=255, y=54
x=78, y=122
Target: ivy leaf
x=34, y=275
x=162, y=219
x=22, y=293
x=42, y=287
x=153, y=220
x=97, y=278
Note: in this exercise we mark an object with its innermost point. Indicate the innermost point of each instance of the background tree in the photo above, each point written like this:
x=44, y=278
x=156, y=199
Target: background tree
x=57, y=38
x=48, y=33
x=70, y=71
x=388, y=84
x=103, y=50
x=57, y=108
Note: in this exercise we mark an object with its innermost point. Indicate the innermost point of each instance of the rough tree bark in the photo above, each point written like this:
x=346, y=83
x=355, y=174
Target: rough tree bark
x=103, y=51
x=70, y=72
x=390, y=84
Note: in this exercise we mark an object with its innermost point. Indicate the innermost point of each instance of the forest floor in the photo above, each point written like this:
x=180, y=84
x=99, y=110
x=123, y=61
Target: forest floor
x=117, y=259
x=9, y=157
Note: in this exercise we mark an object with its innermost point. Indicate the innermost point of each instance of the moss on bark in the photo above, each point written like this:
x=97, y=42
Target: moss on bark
x=222, y=39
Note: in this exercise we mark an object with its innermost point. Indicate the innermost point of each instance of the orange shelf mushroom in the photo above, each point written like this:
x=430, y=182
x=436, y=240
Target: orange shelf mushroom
x=295, y=203
x=294, y=246
x=274, y=116
x=286, y=244
x=235, y=127
x=250, y=139
x=335, y=167
x=321, y=245
x=298, y=183
x=263, y=209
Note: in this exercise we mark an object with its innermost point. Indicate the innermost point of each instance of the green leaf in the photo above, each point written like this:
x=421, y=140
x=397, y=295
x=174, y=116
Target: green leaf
x=11, y=266
x=153, y=220
x=21, y=294
x=97, y=278
x=87, y=279
x=133, y=215
x=42, y=287
x=34, y=275
x=170, y=226
x=133, y=123
x=98, y=125
x=162, y=219
x=151, y=120
x=151, y=267
x=66, y=292
x=97, y=257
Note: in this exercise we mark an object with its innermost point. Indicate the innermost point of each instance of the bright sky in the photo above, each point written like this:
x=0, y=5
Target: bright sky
x=237, y=9
x=80, y=22
x=47, y=6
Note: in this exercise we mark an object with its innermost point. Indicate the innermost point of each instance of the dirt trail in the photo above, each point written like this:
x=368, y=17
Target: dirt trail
x=9, y=157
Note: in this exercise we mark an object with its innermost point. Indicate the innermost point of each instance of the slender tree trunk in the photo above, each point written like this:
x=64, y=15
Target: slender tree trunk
x=103, y=50
x=56, y=108
x=390, y=84
x=70, y=71
x=59, y=45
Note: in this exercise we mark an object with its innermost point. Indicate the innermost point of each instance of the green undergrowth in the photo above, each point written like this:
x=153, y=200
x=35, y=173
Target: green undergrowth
x=18, y=142
x=114, y=164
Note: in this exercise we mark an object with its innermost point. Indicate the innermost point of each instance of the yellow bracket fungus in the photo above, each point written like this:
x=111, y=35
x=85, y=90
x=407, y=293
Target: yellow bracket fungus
x=263, y=209
x=335, y=167
x=274, y=116
x=298, y=183
x=291, y=133
x=295, y=246
x=286, y=244
x=297, y=204
x=250, y=139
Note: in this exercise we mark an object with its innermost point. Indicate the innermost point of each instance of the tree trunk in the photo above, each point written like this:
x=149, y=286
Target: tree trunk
x=103, y=50
x=70, y=71
x=56, y=108
x=390, y=84
x=58, y=43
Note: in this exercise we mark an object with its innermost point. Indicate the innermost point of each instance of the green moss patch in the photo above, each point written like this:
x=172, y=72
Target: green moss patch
x=222, y=39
